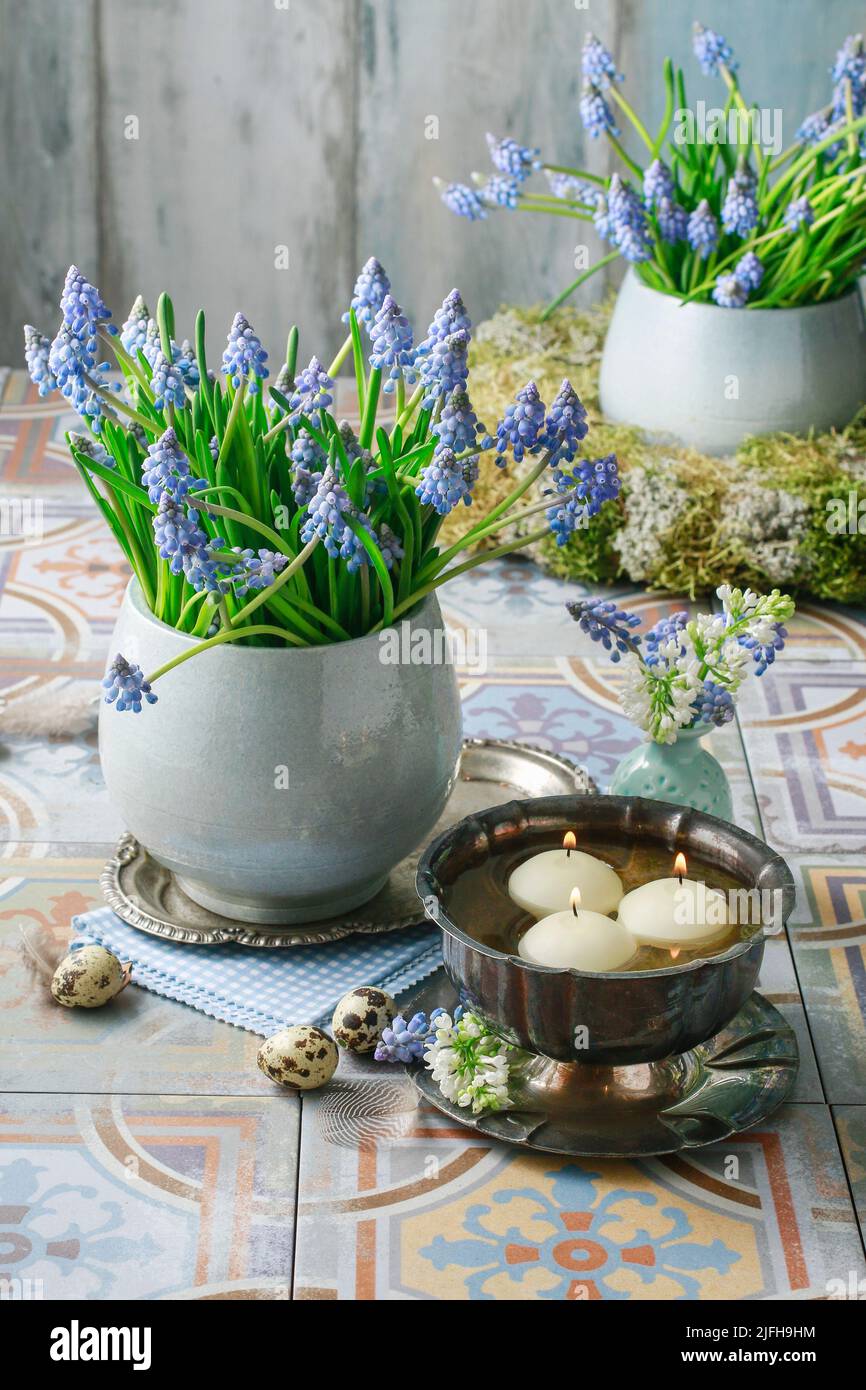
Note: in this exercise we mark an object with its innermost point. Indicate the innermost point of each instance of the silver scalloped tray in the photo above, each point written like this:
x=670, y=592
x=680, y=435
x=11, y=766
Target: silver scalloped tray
x=145, y=895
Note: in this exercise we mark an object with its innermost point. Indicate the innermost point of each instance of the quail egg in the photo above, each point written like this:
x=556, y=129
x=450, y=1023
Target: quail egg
x=87, y=978
x=301, y=1057
x=360, y=1017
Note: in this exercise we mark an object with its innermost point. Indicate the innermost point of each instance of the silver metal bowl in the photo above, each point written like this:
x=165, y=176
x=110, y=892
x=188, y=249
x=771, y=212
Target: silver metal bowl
x=623, y=1017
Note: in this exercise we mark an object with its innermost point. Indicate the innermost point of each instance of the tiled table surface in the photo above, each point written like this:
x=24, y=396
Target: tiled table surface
x=142, y=1154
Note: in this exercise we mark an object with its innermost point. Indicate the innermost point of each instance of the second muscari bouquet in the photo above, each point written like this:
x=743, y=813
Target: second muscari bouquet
x=250, y=514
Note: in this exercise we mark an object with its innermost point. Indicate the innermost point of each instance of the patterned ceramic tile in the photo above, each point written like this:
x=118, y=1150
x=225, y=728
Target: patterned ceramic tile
x=851, y=1128
x=825, y=632
x=397, y=1202
x=805, y=733
x=137, y=1043
x=147, y=1196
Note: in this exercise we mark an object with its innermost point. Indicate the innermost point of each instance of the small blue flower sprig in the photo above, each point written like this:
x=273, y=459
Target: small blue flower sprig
x=469, y=1062
x=684, y=672
x=714, y=211
x=248, y=513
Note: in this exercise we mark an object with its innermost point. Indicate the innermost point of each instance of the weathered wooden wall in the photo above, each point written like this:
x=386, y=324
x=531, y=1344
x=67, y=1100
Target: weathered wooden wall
x=306, y=125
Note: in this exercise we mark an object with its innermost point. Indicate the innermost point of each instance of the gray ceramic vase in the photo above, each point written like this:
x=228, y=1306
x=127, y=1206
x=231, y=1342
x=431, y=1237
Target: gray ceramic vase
x=707, y=377
x=282, y=784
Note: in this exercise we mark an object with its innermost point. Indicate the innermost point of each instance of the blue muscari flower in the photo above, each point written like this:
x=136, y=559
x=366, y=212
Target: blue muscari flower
x=574, y=189
x=566, y=424
x=445, y=482
x=714, y=704
x=603, y=622
x=308, y=464
x=462, y=200
x=126, y=686
x=625, y=222
x=244, y=355
x=657, y=183
x=37, y=350
x=152, y=343
x=597, y=63
x=445, y=367
x=133, y=334
x=814, y=129
x=711, y=51
x=799, y=213
x=501, y=190
x=584, y=490
x=749, y=271
x=352, y=550
x=510, y=158
x=178, y=536
x=371, y=287
x=391, y=336
x=849, y=67
x=389, y=545
x=73, y=366
x=404, y=1041
x=92, y=449
x=257, y=569
x=740, y=210
x=187, y=364
x=312, y=390
x=450, y=317
x=595, y=113
x=82, y=305
x=166, y=469
x=730, y=292
x=703, y=230
x=325, y=515
x=764, y=654
x=458, y=427
x=660, y=633
x=522, y=425
x=673, y=220
x=167, y=383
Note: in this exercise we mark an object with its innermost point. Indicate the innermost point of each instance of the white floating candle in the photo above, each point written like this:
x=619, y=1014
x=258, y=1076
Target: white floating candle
x=677, y=912
x=577, y=939
x=543, y=884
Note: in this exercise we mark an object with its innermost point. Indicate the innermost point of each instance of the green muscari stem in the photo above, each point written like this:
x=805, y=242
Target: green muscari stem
x=576, y=284
x=245, y=520
x=426, y=589
x=230, y=635
x=340, y=357
x=632, y=115
x=111, y=399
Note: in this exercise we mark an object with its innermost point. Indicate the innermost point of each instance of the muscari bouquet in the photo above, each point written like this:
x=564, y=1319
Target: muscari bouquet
x=265, y=520
x=712, y=219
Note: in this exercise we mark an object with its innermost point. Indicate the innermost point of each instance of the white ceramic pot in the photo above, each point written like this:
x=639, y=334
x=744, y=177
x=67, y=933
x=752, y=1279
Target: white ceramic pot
x=699, y=375
x=283, y=783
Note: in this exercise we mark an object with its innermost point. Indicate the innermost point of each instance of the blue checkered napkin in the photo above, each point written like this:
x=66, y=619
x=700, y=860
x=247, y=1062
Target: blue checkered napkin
x=265, y=990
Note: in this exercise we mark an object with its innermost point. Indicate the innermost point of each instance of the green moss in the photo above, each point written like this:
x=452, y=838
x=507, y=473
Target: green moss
x=685, y=522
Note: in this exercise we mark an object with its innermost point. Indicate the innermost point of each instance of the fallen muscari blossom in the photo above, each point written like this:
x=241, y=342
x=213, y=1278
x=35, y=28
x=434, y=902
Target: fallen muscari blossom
x=167, y=384
x=462, y=200
x=166, y=469
x=566, y=424
x=729, y=292
x=126, y=686
x=312, y=390
x=511, y=158
x=244, y=357
x=672, y=219
x=603, y=622
x=406, y=1041
x=657, y=183
x=458, y=427
x=392, y=352
x=749, y=270
x=712, y=51
x=597, y=63
x=522, y=425
x=501, y=190
x=371, y=287
x=703, y=230
x=799, y=213
x=37, y=350
x=133, y=334
x=445, y=367
x=595, y=114
x=740, y=210
x=584, y=488
x=445, y=482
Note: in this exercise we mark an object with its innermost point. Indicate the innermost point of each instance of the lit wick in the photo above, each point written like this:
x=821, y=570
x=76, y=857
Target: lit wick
x=574, y=900
x=569, y=842
x=675, y=950
x=680, y=867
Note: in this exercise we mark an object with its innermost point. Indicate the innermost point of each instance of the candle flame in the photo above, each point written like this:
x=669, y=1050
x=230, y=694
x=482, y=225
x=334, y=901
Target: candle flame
x=675, y=950
x=680, y=866
x=569, y=841
x=574, y=900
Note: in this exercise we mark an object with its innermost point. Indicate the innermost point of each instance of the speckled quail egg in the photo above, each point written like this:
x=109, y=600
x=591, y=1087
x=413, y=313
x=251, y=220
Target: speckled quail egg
x=360, y=1017
x=87, y=978
x=302, y=1058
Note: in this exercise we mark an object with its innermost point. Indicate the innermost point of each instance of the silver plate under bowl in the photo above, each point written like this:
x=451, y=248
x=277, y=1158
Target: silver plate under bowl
x=721, y=1087
x=146, y=895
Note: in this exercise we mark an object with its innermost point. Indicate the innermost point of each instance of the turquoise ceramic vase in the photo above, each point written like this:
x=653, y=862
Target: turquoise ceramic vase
x=682, y=772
